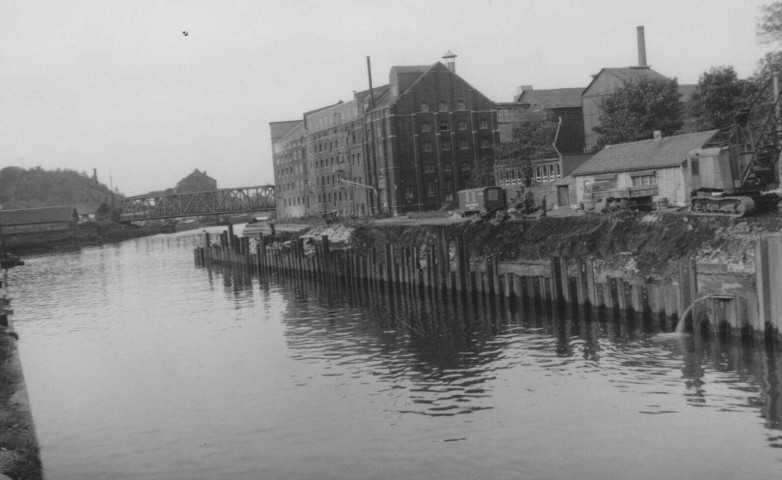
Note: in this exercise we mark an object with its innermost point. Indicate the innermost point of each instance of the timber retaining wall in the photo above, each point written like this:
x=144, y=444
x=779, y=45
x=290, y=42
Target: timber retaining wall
x=444, y=268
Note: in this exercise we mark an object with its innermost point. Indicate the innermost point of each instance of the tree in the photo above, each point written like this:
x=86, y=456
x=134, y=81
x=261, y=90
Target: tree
x=533, y=138
x=481, y=173
x=718, y=97
x=769, y=26
x=638, y=108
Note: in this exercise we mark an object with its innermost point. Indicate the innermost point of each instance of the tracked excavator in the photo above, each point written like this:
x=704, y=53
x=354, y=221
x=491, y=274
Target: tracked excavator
x=736, y=173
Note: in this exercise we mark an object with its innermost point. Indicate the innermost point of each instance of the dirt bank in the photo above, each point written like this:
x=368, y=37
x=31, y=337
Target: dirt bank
x=19, y=454
x=643, y=244
x=84, y=235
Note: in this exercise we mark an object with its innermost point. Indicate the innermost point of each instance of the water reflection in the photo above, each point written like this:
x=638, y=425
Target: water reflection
x=141, y=366
x=445, y=353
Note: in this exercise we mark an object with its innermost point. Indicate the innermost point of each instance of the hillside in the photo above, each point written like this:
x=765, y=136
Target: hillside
x=35, y=187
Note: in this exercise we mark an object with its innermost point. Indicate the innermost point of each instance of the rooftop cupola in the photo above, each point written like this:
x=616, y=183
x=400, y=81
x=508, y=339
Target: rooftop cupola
x=450, y=60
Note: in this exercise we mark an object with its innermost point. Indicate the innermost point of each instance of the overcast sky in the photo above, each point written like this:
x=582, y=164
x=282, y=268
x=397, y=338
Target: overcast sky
x=116, y=85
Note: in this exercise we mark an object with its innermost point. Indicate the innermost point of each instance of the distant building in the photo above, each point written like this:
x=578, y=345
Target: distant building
x=560, y=105
x=38, y=220
x=196, y=182
x=289, y=154
x=609, y=80
x=92, y=212
x=335, y=154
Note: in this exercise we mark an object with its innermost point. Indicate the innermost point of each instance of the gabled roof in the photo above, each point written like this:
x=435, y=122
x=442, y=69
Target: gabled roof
x=30, y=216
x=294, y=133
x=625, y=74
x=322, y=108
x=196, y=173
x=553, y=98
x=644, y=154
x=279, y=129
x=415, y=69
x=410, y=68
x=364, y=94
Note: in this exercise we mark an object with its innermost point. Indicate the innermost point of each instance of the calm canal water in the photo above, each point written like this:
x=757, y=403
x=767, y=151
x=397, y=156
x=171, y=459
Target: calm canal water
x=140, y=365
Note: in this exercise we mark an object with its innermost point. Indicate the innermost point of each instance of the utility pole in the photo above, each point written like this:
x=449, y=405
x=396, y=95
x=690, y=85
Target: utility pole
x=371, y=158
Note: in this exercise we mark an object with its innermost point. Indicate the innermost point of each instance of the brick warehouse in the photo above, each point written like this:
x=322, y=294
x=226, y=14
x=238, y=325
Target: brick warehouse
x=410, y=146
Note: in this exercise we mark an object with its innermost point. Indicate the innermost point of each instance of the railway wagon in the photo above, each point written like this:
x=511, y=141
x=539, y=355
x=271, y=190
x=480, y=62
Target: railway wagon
x=481, y=200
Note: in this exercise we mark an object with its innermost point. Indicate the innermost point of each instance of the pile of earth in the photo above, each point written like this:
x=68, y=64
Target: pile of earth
x=644, y=244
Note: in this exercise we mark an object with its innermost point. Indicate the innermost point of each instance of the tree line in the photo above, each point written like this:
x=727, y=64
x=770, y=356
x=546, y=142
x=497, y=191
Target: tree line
x=36, y=187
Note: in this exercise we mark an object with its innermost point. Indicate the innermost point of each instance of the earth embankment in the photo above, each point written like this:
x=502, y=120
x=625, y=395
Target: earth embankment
x=644, y=244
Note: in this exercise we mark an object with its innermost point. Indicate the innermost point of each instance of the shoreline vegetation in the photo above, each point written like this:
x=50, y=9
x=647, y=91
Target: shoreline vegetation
x=90, y=234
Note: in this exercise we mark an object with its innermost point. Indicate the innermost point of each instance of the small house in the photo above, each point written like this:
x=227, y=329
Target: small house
x=654, y=169
x=92, y=212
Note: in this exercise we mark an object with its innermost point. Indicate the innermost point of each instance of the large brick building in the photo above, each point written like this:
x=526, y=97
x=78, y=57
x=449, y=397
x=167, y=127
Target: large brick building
x=429, y=131
x=406, y=146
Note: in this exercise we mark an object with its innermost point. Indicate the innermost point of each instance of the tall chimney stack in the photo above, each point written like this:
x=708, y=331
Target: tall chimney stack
x=641, y=47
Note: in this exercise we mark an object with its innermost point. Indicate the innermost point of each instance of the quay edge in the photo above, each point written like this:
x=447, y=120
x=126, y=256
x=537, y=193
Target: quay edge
x=19, y=449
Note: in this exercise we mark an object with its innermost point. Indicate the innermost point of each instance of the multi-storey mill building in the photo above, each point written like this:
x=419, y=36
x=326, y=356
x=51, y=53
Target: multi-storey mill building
x=408, y=146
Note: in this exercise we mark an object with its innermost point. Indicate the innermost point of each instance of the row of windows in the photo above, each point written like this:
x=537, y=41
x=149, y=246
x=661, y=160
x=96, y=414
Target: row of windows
x=442, y=106
x=289, y=156
x=445, y=145
x=321, y=197
x=447, y=167
x=426, y=127
x=547, y=173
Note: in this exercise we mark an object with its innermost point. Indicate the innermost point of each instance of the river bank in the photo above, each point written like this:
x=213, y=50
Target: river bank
x=19, y=451
x=81, y=236
x=640, y=244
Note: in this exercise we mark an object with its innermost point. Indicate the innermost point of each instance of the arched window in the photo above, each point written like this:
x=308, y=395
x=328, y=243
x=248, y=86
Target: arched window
x=424, y=107
x=460, y=105
x=443, y=107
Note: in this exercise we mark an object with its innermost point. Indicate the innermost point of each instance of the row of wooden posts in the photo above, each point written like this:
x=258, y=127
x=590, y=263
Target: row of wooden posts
x=444, y=268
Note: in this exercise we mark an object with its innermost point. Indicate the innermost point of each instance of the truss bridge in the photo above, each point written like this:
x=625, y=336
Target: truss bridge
x=223, y=201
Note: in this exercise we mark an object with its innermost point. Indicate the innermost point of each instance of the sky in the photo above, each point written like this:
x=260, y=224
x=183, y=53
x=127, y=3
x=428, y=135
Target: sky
x=116, y=86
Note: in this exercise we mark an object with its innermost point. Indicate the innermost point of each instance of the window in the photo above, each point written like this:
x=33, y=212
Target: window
x=426, y=146
x=462, y=125
x=444, y=126
x=466, y=166
x=426, y=127
x=464, y=144
x=447, y=167
x=424, y=107
x=445, y=145
x=430, y=190
x=408, y=192
x=428, y=168
x=644, y=180
x=460, y=105
x=485, y=143
x=696, y=168
x=483, y=124
x=443, y=107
